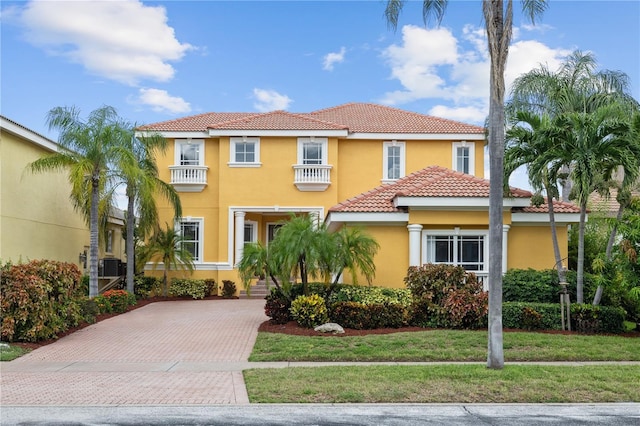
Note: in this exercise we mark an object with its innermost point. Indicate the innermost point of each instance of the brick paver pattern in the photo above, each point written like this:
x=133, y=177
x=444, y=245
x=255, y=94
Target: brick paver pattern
x=135, y=358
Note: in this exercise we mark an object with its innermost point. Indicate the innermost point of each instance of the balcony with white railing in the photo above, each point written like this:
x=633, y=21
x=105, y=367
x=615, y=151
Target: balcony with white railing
x=312, y=177
x=189, y=178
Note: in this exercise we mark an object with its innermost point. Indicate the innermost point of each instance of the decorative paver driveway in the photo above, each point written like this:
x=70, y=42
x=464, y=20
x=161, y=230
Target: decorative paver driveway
x=180, y=352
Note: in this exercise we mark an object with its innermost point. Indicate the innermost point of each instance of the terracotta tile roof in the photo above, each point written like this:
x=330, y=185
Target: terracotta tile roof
x=607, y=205
x=195, y=123
x=434, y=181
x=355, y=117
x=558, y=207
x=277, y=120
x=373, y=118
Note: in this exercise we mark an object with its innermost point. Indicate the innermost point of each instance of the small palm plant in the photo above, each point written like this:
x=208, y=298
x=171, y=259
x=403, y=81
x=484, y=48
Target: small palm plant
x=166, y=246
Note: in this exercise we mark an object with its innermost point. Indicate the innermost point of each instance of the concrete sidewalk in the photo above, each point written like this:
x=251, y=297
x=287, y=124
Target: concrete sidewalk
x=164, y=353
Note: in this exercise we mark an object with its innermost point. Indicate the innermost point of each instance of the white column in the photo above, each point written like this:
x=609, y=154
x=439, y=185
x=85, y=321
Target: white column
x=505, y=239
x=414, y=244
x=239, y=217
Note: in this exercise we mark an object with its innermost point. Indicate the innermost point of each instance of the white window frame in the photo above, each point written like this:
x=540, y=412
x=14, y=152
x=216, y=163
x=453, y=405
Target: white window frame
x=178, y=150
x=428, y=255
x=385, y=160
x=267, y=228
x=109, y=243
x=324, y=142
x=232, y=152
x=200, y=222
x=254, y=231
x=472, y=156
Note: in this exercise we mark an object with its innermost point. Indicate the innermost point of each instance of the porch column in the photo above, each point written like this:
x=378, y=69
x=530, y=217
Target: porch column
x=239, y=217
x=505, y=239
x=414, y=244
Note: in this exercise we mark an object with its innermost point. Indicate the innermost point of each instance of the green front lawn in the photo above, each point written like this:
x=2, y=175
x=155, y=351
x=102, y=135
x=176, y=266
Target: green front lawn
x=11, y=352
x=445, y=384
x=444, y=345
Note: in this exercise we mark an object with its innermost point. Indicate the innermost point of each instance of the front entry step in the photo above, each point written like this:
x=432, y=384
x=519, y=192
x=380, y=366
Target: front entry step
x=258, y=291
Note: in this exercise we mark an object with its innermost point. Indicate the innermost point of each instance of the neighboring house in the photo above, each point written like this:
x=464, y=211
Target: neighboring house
x=414, y=181
x=37, y=218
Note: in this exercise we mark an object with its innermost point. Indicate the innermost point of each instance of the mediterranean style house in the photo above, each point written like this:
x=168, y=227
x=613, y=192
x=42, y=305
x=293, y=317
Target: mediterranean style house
x=37, y=219
x=415, y=182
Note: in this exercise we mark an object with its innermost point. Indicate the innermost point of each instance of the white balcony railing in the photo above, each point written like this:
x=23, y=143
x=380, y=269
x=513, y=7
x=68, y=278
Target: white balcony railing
x=312, y=177
x=189, y=178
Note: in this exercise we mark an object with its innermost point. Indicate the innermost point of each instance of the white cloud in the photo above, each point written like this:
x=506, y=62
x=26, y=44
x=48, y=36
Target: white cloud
x=270, y=100
x=434, y=64
x=161, y=101
x=333, y=58
x=124, y=41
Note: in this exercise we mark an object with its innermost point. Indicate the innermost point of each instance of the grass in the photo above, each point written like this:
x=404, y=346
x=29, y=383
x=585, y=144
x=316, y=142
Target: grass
x=444, y=345
x=444, y=384
x=9, y=353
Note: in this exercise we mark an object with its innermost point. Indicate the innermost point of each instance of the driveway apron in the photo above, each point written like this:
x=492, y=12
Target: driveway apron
x=178, y=352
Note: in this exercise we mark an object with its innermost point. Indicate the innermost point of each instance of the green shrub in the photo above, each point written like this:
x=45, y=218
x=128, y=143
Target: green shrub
x=103, y=304
x=90, y=310
x=530, y=285
x=522, y=315
x=119, y=300
x=39, y=300
x=370, y=295
x=277, y=307
x=212, y=287
x=446, y=296
x=360, y=316
x=196, y=289
x=597, y=319
x=309, y=311
x=145, y=286
x=228, y=289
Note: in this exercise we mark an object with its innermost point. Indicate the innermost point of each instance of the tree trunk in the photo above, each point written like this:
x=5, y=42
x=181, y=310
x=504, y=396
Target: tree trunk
x=580, y=272
x=131, y=224
x=562, y=273
x=612, y=239
x=93, y=236
x=165, y=287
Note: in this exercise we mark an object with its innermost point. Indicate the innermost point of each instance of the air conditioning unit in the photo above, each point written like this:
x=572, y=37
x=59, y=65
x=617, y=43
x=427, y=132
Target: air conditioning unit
x=110, y=267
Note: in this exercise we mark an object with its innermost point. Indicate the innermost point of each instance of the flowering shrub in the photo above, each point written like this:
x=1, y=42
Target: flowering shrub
x=119, y=300
x=309, y=311
x=39, y=299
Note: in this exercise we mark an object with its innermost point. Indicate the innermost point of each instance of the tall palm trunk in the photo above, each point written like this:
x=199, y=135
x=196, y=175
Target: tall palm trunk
x=580, y=267
x=609, y=250
x=562, y=274
x=498, y=26
x=131, y=224
x=93, y=236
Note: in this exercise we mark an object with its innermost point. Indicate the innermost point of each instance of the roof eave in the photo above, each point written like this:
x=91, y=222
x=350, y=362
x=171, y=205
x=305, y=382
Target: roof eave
x=287, y=133
x=419, y=136
x=543, y=217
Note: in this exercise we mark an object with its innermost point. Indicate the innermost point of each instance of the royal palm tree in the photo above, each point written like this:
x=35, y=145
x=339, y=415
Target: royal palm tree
x=166, y=246
x=139, y=172
x=88, y=150
x=529, y=138
x=498, y=18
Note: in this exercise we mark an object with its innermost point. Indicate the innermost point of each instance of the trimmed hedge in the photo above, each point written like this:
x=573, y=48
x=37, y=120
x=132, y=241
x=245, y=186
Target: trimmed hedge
x=546, y=316
x=361, y=316
x=530, y=285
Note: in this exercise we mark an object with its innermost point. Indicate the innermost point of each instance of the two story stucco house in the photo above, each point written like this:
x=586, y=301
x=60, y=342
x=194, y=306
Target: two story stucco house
x=415, y=182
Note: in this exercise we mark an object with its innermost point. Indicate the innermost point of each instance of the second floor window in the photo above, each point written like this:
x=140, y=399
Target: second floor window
x=463, y=157
x=312, y=151
x=393, y=161
x=189, y=152
x=245, y=152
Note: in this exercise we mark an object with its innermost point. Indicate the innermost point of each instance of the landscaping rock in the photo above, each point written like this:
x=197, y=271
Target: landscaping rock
x=330, y=327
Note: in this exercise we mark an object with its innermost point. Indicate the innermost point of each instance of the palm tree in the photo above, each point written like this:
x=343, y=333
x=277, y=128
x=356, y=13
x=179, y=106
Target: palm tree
x=593, y=107
x=89, y=149
x=139, y=172
x=166, y=246
x=528, y=139
x=355, y=251
x=498, y=18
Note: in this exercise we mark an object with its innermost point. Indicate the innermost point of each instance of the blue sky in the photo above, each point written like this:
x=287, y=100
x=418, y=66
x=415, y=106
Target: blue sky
x=155, y=61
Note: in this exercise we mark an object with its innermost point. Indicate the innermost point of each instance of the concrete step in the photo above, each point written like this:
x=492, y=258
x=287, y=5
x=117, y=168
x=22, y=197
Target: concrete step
x=258, y=291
